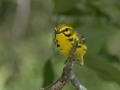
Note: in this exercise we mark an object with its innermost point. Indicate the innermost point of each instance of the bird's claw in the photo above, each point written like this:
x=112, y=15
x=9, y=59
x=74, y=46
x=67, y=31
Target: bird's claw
x=78, y=63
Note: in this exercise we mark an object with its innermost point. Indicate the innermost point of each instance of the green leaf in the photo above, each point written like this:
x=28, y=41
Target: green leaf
x=103, y=68
x=6, y=1
x=73, y=12
x=96, y=10
x=76, y=23
x=48, y=74
x=105, y=54
x=77, y=8
x=64, y=5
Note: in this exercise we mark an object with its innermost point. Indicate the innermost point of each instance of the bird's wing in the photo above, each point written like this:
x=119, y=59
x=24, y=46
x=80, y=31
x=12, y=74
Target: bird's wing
x=81, y=37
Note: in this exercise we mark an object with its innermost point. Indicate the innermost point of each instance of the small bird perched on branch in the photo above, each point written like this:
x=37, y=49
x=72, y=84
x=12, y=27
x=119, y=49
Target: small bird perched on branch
x=65, y=36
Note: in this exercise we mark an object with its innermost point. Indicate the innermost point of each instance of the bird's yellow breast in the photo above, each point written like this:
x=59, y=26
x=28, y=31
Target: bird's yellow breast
x=64, y=45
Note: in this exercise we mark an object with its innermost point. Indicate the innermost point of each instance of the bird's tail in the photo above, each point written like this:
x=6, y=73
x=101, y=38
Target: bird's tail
x=81, y=60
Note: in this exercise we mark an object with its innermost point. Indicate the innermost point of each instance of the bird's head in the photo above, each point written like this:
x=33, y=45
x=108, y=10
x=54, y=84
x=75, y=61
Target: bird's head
x=64, y=29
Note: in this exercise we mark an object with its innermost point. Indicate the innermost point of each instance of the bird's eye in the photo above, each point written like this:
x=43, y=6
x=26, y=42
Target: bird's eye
x=66, y=29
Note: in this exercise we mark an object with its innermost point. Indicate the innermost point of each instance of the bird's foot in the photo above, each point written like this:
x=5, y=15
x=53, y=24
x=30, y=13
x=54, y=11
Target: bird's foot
x=78, y=63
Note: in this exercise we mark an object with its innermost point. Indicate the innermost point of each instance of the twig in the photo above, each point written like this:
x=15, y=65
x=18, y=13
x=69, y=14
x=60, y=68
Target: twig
x=67, y=74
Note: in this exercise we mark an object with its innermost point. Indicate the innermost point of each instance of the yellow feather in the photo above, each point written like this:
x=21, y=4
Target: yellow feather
x=64, y=39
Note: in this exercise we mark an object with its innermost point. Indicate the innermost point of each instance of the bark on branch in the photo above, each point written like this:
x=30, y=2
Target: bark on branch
x=67, y=74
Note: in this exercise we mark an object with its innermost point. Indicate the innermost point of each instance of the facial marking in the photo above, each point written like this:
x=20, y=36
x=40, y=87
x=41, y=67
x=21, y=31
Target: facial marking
x=67, y=35
x=65, y=30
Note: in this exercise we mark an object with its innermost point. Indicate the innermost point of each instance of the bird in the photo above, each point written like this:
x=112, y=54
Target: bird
x=65, y=37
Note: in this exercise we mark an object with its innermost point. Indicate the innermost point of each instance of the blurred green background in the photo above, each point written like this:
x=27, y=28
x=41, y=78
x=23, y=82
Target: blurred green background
x=28, y=57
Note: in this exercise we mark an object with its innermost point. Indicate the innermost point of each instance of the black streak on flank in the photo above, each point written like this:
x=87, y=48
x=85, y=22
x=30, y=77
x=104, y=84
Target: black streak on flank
x=71, y=39
x=56, y=41
x=67, y=35
x=58, y=45
x=79, y=46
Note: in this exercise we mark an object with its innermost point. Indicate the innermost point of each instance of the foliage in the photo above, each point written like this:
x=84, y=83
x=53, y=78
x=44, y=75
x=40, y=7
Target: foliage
x=32, y=61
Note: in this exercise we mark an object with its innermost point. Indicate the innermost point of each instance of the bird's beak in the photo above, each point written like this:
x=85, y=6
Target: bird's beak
x=57, y=32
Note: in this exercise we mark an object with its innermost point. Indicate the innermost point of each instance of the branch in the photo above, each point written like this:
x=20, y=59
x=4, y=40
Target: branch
x=67, y=74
